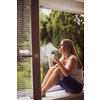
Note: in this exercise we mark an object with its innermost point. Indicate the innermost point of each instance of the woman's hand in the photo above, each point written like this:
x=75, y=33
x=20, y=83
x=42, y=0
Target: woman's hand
x=54, y=58
x=51, y=57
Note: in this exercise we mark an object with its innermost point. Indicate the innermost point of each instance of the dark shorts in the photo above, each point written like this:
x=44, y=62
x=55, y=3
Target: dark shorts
x=70, y=84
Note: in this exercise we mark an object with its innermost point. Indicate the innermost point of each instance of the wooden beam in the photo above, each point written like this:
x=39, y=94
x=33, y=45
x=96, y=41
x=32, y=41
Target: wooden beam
x=35, y=49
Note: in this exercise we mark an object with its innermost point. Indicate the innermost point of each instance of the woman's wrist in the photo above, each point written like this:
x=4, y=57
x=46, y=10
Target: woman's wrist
x=58, y=62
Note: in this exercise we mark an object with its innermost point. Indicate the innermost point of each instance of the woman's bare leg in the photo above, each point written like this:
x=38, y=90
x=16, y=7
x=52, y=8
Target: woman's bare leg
x=48, y=75
x=53, y=80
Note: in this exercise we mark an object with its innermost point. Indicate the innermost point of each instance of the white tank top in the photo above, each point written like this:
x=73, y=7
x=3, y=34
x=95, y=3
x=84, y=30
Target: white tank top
x=76, y=73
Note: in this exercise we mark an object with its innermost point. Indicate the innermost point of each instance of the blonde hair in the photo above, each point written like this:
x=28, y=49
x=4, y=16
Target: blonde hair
x=70, y=49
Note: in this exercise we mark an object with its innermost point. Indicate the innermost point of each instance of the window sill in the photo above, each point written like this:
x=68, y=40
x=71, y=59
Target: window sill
x=57, y=93
x=63, y=95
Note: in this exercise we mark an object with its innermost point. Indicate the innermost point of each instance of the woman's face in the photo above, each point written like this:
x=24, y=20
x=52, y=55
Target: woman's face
x=61, y=48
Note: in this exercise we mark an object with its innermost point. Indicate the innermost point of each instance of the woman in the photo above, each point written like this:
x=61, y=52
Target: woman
x=67, y=72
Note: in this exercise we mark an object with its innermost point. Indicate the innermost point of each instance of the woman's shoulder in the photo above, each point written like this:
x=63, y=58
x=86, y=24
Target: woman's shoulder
x=72, y=56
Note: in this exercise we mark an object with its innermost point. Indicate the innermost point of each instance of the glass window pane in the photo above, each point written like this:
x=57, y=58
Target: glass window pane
x=23, y=47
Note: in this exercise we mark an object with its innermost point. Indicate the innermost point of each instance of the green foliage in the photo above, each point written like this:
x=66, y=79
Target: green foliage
x=19, y=66
x=24, y=74
x=44, y=70
x=23, y=82
x=62, y=25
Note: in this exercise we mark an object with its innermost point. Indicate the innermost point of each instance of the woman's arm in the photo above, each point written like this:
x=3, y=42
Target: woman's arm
x=68, y=70
x=51, y=63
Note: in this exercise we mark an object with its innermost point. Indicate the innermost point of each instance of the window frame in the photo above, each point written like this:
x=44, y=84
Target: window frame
x=36, y=73
x=35, y=40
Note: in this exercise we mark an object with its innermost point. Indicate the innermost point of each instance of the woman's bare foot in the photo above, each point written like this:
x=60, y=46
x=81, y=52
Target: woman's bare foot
x=42, y=94
x=32, y=97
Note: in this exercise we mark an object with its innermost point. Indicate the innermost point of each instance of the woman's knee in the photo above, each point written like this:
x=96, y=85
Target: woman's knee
x=58, y=71
x=52, y=69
